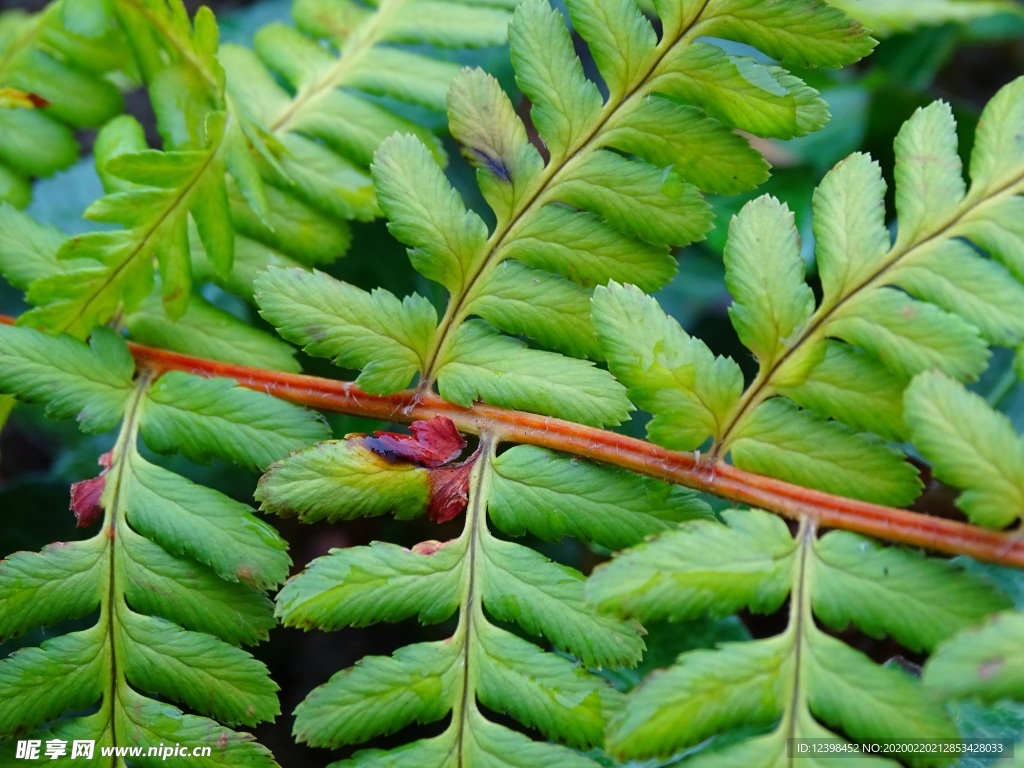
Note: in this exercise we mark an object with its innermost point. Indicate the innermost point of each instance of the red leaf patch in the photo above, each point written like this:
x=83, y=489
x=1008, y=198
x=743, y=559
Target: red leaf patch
x=449, y=491
x=86, y=494
x=433, y=444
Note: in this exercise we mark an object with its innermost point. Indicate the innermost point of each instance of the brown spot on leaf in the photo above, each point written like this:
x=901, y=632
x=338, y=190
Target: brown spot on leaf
x=16, y=98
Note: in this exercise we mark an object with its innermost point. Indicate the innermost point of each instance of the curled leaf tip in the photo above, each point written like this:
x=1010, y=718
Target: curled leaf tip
x=433, y=443
x=449, y=491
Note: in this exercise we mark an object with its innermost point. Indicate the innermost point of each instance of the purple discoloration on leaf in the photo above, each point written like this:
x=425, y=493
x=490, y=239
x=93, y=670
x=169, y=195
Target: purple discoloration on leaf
x=990, y=668
x=86, y=495
x=495, y=165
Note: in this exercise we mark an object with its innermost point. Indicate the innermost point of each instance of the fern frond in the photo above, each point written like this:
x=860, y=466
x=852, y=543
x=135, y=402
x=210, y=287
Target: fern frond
x=884, y=18
x=831, y=372
x=177, y=571
x=802, y=683
x=52, y=82
x=249, y=170
x=122, y=263
x=477, y=575
x=983, y=662
x=551, y=496
x=322, y=130
x=156, y=193
x=620, y=187
x=971, y=446
x=976, y=449
x=29, y=253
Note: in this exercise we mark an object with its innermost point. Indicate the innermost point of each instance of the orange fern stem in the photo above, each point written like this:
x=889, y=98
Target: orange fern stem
x=718, y=478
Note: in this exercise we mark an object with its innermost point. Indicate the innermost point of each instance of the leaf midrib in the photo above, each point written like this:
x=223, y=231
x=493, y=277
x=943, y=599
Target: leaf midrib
x=801, y=620
x=184, y=194
x=764, y=387
x=458, y=308
x=111, y=529
x=366, y=37
x=470, y=603
x=168, y=33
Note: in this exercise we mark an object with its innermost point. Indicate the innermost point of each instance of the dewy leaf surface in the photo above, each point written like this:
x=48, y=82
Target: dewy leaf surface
x=982, y=662
x=552, y=496
x=190, y=519
x=376, y=332
x=380, y=695
x=42, y=588
x=486, y=365
x=265, y=152
x=91, y=383
x=382, y=582
x=545, y=598
x=668, y=372
x=919, y=601
x=700, y=568
x=804, y=448
x=204, y=418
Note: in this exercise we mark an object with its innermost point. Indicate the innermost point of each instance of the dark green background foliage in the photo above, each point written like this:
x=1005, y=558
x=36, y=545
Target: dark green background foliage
x=963, y=63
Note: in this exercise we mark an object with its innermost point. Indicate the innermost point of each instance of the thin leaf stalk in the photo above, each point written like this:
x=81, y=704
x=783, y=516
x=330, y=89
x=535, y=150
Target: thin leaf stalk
x=801, y=620
x=349, y=56
x=114, y=529
x=168, y=34
x=182, y=198
x=471, y=611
